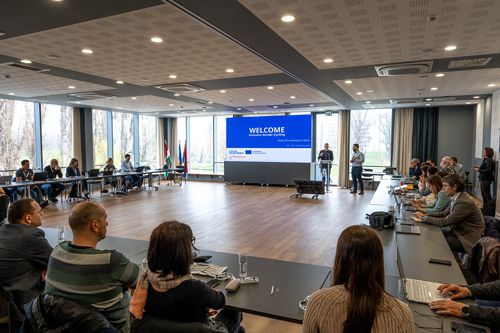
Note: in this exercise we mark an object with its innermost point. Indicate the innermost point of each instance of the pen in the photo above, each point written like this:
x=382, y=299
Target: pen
x=272, y=290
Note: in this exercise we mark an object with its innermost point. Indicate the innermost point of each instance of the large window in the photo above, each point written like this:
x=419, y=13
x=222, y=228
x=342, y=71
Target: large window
x=372, y=130
x=17, y=133
x=220, y=144
x=181, y=136
x=201, y=144
x=327, y=132
x=57, y=133
x=123, y=136
x=100, y=137
x=148, y=141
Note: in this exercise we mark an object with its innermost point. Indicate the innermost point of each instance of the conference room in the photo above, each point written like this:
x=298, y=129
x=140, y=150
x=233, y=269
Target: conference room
x=235, y=101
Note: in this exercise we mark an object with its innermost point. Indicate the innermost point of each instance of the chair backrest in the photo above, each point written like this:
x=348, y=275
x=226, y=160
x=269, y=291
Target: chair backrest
x=4, y=312
x=150, y=324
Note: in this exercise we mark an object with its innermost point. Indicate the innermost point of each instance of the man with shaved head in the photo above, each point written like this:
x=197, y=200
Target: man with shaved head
x=82, y=273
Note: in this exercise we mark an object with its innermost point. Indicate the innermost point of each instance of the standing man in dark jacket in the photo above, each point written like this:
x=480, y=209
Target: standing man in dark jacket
x=486, y=174
x=485, y=315
x=325, y=157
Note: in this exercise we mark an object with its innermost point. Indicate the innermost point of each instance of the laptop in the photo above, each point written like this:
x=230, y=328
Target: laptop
x=107, y=173
x=5, y=180
x=140, y=169
x=93, y=172
x=418, y=291
x=40, y=176
x=407, y=229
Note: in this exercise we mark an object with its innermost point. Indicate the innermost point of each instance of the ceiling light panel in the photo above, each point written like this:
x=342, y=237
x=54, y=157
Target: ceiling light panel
x=32, y=84
x=148, y=103
x=190, y=49
x=279, y=95
x=356, y=33
x=408, y=86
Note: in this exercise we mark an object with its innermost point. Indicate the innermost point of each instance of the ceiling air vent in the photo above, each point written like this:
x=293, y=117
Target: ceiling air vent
x=405, y=101
x=180, y=88
x=90, y=95
x=443, y=99
x=26, y=67
x=464, y=63
x=404, y=68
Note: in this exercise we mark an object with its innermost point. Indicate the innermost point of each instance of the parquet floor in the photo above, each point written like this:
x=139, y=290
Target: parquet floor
x=262, y=221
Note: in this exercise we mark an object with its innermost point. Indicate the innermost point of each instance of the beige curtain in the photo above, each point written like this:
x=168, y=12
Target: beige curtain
x=403, y=133
x=161, y=142
x=77, y=137
x=173, y=142
x=343, y=144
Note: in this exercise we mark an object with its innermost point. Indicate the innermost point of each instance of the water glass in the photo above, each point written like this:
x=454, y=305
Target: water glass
x=60, y=234
x=242, y=263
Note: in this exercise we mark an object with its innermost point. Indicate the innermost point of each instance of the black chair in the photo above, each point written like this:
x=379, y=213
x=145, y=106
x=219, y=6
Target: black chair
x=150, y=324
x=368, y=176
x=5, y=324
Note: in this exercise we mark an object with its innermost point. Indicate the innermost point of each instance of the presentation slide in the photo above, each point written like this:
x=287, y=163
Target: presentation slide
x=269, y=139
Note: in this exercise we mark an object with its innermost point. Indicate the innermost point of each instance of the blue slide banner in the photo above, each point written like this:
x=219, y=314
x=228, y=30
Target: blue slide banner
x=269, y=132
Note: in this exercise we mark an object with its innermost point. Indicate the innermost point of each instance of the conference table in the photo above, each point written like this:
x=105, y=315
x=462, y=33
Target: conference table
x=414, y=253
x=291, y=282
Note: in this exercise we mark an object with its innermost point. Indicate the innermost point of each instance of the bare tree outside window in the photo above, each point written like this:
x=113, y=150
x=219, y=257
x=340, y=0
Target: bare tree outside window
x=220, y=144
x=201, y=144
x=57, y=133
x=148, y=141
x=17, y=133
x=100, y=137
x=327, y=132
x=123, y=136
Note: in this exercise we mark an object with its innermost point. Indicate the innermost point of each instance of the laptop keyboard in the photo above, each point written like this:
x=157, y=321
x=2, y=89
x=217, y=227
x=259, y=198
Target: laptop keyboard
x=423, y=291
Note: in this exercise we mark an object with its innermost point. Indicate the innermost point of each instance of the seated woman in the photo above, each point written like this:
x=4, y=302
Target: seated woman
x=423, y=177
x=435, y=202
x=73, y=171
x=167, y=290
x=109, y=167
x=357, y=301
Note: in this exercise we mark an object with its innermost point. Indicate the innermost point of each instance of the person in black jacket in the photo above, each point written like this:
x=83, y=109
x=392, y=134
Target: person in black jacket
x=484, y=315
x=486, y=174
x=4, y=203
x=166, y=290
x=73, y=171
x=53, y=171
x=415, y=172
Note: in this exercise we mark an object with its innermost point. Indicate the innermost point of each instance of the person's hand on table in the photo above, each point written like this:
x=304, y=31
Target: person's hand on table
x=447, y=307
x=420, y=215
x=455, y=290
x=2, y=192
x=211, y=312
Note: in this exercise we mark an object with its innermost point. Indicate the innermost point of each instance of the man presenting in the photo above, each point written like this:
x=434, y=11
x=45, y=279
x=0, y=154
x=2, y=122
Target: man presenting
x=80, y=272
x=357, y=160
x=325, y=157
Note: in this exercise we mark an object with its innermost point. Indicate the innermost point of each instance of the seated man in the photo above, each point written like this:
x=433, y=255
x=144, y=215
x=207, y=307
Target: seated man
x=82, y=273
x=24, y=252
x=462, y=217
x=126, y=166
x=484, y=315
x=4, y=203
x=53, y=189
x=26, y=174
x=415, y=172
x=457, y=167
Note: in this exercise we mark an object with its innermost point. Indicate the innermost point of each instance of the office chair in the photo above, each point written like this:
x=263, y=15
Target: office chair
x=367, y=177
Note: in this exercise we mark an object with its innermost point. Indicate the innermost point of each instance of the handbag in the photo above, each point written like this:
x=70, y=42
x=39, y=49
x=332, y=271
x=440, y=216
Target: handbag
x=381, y=220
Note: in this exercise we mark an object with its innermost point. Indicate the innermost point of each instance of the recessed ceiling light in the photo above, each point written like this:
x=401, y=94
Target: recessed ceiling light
x=439, y=75
x=427, y=104
x=156, y=40
x=120, y=82
x=327, y=60
x=171, y=104
x=368, y=102
x=369, y=91
x=275, y=107
x=270, y=87
x=176, y=95
x=311, y=105
x=87, y=51
x=210, y=102
x=359, y=93
x=120, y=108
x=229, y=70
x=157, y=112
x=222, y=91
x=172, y=76
x=78, y=102
x=11, y=94
x=239, y=109
x=347, y=81
x=491, y=85
x=250, y=99
x=476, y=97
x=26, y=61
x=288, y=18
x=428, y=99
x=450, y=48
x=71, y=87
x=322, y=109
x=434, y=88
x=134, y=98
x=2, y=33
x=468, y=103
x=292, y=97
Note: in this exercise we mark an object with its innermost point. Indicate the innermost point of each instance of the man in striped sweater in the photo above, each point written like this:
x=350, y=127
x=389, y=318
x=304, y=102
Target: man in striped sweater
x=80, y=272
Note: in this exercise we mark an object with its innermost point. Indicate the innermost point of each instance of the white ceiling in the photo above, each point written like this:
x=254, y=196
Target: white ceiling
x=357, y=32
x=123, y=50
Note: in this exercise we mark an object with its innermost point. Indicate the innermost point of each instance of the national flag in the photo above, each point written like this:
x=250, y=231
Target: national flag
x=180, y=153
x=168, y=158
x=185, y=159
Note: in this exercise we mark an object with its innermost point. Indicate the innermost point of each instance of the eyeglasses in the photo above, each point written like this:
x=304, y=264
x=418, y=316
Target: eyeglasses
x=193, y=240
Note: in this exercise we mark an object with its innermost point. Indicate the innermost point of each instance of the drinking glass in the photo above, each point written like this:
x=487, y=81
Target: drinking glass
x=60, y=234
x=242, y=261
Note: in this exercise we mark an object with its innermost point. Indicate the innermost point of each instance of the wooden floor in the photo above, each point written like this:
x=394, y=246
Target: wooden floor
x=262, y=221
